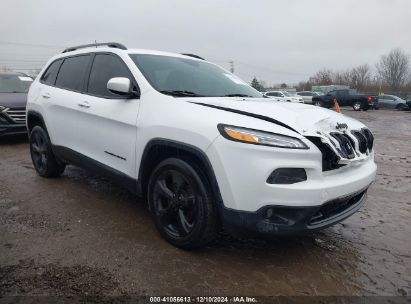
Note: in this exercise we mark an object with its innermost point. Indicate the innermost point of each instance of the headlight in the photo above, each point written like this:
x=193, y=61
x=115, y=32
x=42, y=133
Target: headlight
x=260, y=137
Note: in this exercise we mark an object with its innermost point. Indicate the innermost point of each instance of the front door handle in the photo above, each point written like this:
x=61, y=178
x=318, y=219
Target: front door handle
x=84, y=104
x=46, y=95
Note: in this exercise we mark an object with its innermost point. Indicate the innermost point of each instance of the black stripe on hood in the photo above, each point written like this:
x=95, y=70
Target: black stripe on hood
x=274, y=121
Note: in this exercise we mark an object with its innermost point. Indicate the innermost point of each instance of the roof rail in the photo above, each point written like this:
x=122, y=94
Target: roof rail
x=193, y=55
x=109, y=44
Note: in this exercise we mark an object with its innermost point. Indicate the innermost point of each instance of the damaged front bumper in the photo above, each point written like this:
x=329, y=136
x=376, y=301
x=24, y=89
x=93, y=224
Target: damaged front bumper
x=289, y=220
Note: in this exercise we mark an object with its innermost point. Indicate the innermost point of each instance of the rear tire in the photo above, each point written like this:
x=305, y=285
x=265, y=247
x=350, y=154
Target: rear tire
x=181, y=203
x=356, y=106
x=44, y=161
x=317, y=103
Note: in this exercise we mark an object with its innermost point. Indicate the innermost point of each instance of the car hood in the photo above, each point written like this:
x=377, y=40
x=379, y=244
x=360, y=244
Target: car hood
x=13, y=100
x=305, y=119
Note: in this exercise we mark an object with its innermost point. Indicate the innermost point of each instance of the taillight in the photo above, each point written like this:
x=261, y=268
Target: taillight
x=369, y=99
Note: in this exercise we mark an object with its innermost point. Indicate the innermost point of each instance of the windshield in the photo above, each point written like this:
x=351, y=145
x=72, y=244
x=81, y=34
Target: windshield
x=397, y=98
x=187, y=77
x=287, y=94
x=14, y=84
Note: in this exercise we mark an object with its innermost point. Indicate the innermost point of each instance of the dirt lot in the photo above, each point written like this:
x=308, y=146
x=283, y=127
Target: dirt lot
x=81, y=235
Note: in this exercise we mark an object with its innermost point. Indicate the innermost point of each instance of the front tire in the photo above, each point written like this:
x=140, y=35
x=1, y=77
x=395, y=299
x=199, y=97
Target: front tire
x=400, y=107
x=181, y=203
x=44, y=161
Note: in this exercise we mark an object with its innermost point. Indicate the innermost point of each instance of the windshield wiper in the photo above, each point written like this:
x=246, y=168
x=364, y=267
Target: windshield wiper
x=237, y=95
x=180, y=93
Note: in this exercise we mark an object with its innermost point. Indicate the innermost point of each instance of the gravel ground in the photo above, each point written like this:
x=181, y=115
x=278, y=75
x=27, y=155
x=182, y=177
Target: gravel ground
x=80, y=235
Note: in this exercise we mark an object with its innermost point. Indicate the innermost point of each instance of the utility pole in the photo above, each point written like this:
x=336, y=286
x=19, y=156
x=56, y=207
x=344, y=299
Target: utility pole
x=231, y=66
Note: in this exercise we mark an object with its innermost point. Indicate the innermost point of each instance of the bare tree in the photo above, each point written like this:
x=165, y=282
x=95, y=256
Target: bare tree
x=394, y=68
x=342, y=77
x=303, y=86
x=360, y=76
x=322, y=77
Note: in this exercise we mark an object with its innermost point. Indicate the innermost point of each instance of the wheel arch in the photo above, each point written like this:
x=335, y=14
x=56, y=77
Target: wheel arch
x=159, y=149
x=35, y=119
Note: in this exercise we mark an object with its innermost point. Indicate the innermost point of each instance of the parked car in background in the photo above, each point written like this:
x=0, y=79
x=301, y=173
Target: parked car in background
x=13, y=99
x=347, y=98
x=272, y=95
x=392, y=102
x=308, y=96
x=283, y=96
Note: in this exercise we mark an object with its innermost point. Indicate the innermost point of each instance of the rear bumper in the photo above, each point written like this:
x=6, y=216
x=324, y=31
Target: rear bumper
x=13, y=129
x=287, y=220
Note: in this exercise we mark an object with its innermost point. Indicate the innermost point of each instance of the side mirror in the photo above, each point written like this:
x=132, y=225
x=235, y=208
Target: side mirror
x=121, y=86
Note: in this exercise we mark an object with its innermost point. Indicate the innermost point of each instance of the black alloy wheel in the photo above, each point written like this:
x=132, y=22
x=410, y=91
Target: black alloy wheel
x=39, y=151
x=180, y=202
x=176, y=203
x=42, y=155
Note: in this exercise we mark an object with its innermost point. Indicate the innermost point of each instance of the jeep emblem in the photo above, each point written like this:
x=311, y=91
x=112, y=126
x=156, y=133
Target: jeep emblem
x=341, y=126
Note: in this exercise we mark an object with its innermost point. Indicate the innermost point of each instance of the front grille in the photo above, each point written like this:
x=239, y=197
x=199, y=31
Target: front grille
x=349, y=146
x=18, y=115
x=370, y=138
x=346, y=145
x=336, y=207
x=329, y=158
x=362, y=140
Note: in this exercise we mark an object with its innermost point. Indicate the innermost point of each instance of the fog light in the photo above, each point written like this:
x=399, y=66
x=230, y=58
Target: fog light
x=287, y=176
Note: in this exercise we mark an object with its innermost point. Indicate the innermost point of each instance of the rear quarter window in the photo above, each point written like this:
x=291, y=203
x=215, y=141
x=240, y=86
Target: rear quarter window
x=50, y=75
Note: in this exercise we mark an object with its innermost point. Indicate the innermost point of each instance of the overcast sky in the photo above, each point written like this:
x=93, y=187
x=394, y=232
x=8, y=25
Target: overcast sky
x=277, y=41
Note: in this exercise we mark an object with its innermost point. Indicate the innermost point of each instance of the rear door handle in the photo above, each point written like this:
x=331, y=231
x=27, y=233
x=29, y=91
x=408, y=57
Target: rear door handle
x=46, y=95
x=84, y=104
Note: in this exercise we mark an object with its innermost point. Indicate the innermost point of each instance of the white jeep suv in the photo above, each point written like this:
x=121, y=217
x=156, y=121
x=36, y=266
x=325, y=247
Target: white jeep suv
x=203, y=147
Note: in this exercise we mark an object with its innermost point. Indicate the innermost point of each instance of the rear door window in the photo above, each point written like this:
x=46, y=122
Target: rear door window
x=50, y=75
x=105, y=67
x=72, y=72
